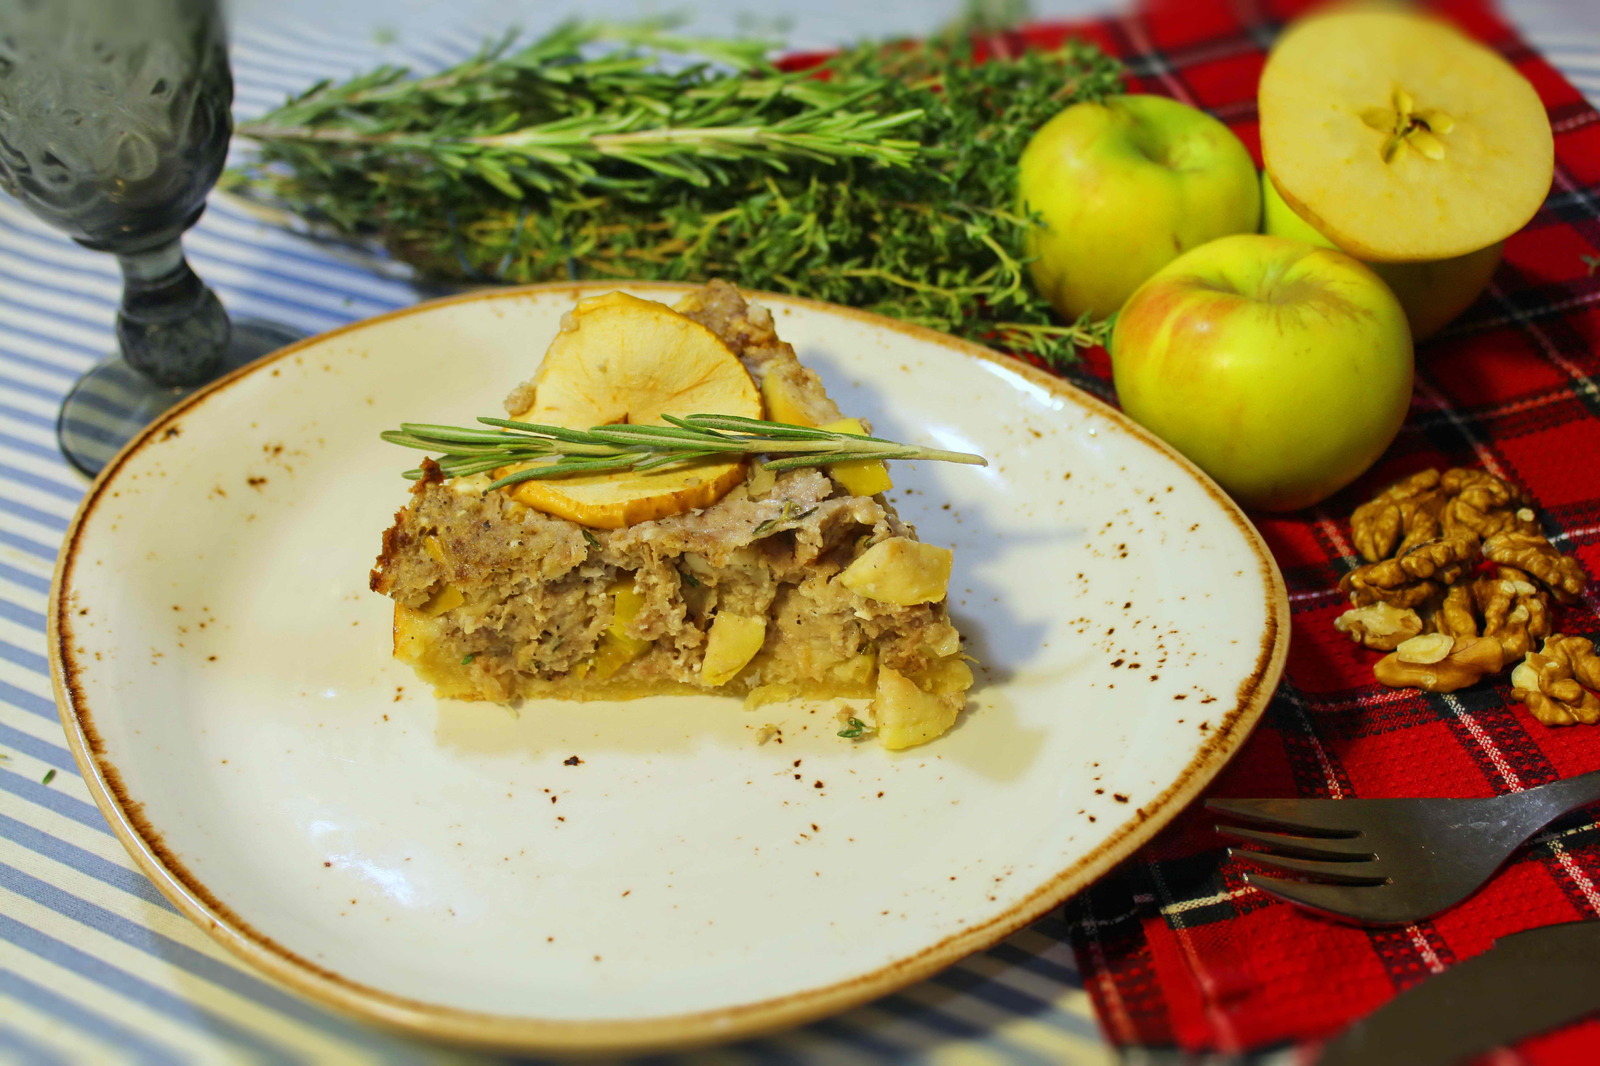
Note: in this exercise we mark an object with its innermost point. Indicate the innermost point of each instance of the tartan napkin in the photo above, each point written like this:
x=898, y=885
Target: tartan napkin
x=1175, y=948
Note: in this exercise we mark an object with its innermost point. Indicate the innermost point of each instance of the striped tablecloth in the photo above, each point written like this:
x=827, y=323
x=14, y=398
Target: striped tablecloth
x=95, y=966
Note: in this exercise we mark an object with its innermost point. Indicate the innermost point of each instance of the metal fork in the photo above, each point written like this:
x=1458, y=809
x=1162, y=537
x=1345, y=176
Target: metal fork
x=1391, y=861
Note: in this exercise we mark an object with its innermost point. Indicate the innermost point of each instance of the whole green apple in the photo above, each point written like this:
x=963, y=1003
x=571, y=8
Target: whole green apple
x=1124, y=186
x=1432, y=291
x=1281, y=369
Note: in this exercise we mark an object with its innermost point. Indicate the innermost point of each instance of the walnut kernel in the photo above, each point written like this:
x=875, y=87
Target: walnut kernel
x=1458, y=612
x=1379, y=626
x=1401, y=516
x=1503, y=605
x=1551, y=681
x=1413, y=578
x=1425, y=650
x=1481, y=505
x=1469, y=661
x=1535, y=555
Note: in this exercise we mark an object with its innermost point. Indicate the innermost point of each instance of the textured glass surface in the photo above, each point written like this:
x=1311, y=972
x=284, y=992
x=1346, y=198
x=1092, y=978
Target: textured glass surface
x=114, y=125
x=114, y=114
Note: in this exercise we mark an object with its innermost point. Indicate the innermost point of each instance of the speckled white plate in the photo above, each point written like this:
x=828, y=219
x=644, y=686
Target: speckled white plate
x=617, y=877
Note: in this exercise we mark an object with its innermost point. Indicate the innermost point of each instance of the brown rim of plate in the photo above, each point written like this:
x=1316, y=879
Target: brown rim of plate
x=673, y=1032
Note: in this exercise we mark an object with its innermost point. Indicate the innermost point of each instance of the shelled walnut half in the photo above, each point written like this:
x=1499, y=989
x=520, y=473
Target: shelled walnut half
x=1554, y=682
x=1480, y=504
x=1504, y=605
x=1435, y=662
x=1379, y=626
x=1533, y=554
x=1400, y=517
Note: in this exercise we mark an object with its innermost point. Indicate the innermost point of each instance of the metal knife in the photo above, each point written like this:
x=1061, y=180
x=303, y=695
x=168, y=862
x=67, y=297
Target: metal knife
x=1525, y=984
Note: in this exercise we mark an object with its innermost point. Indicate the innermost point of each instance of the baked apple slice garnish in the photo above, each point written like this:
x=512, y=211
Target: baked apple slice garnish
x=622, y=360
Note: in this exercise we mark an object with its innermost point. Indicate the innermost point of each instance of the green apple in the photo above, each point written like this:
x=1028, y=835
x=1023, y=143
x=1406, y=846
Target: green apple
x=1124, y=186
x=1281, y=369
x=1432, y=292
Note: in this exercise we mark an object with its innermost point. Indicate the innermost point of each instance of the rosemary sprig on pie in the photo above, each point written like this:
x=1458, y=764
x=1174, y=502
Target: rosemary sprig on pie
x=558, y=452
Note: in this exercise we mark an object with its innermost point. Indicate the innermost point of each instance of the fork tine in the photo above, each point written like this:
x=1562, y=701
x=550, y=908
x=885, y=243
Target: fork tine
x=1335, y=849
x=1313, y=817
x=1333, y=872
x=1349, y=849
x=1293, y=844
x=1362, y=903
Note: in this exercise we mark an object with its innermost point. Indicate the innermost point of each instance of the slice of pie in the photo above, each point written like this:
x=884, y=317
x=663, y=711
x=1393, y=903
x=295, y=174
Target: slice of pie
x=723, y=577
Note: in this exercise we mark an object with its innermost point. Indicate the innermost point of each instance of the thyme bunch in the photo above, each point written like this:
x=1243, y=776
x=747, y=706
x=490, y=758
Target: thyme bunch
x=882, y=178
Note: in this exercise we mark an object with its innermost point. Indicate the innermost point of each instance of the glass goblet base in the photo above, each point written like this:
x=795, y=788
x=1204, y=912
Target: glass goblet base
x=110, y=404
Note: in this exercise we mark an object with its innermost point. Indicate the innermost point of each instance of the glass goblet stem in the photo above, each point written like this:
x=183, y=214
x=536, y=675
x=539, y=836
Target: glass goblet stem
x=171, y=325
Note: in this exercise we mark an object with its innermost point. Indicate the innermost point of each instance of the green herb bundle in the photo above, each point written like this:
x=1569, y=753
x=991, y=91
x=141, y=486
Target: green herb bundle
x=883, y=178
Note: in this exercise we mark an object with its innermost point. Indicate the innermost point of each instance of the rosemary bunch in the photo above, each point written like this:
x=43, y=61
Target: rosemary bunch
x=545, y=118
x=882, y=179
x=558, y=452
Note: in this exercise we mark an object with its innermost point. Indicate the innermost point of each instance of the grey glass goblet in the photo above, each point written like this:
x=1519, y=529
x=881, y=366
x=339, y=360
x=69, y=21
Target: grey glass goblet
x=114, y=125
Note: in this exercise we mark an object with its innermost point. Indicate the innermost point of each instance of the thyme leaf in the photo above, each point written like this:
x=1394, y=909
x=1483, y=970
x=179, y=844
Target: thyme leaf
x=855, y=728
x=787, y=516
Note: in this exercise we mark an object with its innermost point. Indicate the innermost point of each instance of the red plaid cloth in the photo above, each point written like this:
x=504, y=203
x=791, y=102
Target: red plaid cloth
x=1174, y=948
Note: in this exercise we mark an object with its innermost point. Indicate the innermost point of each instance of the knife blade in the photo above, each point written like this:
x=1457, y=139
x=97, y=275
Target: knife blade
x=1525, y=984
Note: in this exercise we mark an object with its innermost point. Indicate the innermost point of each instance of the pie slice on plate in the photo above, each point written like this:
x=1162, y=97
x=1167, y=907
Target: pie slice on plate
x=720, y=576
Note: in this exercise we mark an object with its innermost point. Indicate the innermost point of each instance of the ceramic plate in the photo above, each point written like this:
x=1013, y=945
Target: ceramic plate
x=617, y=877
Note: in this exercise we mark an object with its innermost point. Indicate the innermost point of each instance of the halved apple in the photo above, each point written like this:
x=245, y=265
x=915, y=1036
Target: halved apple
x=1399, y=138
x=620, y=359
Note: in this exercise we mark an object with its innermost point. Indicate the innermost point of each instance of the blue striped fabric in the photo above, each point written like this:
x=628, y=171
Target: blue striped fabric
x=95, y=966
